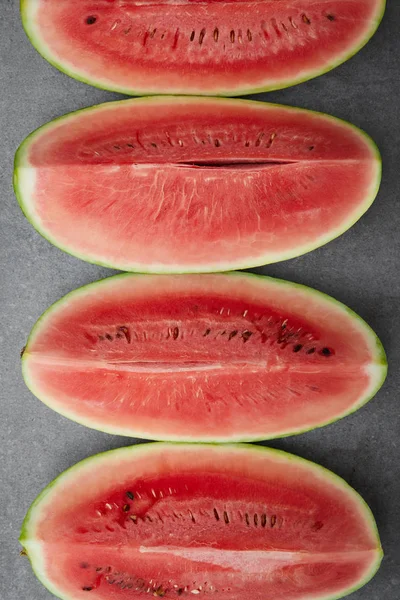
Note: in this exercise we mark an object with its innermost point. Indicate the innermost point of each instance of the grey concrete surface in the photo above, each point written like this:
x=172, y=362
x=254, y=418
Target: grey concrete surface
x=361, y=268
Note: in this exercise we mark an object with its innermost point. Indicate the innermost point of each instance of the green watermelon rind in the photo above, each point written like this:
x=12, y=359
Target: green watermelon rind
x=23, y=150
x=43, y=50
x=377, y=351
x=29, y=520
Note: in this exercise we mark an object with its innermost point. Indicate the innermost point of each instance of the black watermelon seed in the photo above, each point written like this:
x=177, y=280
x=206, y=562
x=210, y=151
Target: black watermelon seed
x=130, y=495
x=326, y=352
x=263, y=520
x=246, y=335
x=91, y=20
x=297, y=348
x=126, y=332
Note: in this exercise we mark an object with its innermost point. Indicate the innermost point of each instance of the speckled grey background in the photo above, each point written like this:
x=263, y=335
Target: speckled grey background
x=361, y=269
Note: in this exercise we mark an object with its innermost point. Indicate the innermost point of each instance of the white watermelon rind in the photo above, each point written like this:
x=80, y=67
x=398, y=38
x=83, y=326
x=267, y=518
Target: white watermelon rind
x=34, y=513
x=378, y=365
x=23, y=187
x=27, y=9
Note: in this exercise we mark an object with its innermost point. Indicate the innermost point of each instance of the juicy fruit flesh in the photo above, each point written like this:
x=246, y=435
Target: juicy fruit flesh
x=220, y=522
x=206, y=357
x=206, y=185
x=199, y=47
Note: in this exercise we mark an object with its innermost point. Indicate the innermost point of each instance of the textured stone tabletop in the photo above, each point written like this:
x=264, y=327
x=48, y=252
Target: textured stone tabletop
x=361, y=269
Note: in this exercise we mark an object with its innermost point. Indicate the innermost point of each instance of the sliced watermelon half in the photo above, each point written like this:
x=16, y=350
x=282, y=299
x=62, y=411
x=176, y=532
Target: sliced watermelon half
x=222, y=522
x=198, y=46
x=202, y=357
x=194, y=184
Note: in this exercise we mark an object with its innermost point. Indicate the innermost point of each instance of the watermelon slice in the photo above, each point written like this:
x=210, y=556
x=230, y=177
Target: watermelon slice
x=222, y=522
x=194, y=185
x=198, y=46
x=202, y=357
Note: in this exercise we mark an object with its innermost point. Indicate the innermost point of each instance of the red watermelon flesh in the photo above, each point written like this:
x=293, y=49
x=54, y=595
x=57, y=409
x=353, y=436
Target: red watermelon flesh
x=202, y=357
x=198, y=46
x=232, y=523
x=194, y=185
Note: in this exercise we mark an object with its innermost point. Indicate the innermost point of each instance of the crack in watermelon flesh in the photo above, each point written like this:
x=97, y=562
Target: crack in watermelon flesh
x=198, y=47
x=202, y=357
x=194, y=185
x=235, y=523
